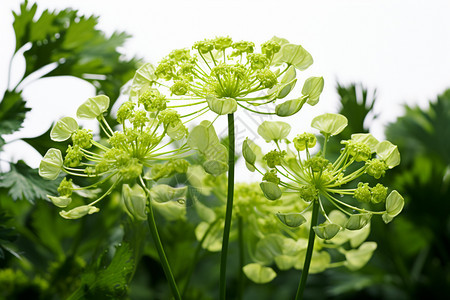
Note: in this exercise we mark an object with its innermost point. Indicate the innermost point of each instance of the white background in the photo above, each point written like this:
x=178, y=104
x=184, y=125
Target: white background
x=402, y=48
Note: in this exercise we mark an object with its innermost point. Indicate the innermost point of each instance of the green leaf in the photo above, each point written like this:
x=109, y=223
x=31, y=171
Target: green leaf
x=273, y=131
x=23, y=182
x=93, y=107
x=213, y=241
x=389, y=153
x=358, y=221
x=63, y=129
x=312, y=88
x=291, y=219
x=358, y=258
x=215, y=167
x=394, y=205
x=297, y=56
x=329, y=124
x=221, y=106
x=51, y=164
x=110, y=281
x=327, y=231
x=290, y=107
x=258, y=273
x=12, y=112
x=271, y=190
x=198, y=138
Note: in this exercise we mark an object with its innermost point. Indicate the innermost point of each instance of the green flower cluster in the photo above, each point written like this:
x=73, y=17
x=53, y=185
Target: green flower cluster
x=317, y=180
x=223, y=74
x=148, y=127
x=267, y=240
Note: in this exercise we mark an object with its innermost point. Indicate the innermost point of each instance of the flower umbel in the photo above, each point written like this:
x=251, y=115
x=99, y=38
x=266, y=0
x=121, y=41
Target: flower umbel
x=148, y=130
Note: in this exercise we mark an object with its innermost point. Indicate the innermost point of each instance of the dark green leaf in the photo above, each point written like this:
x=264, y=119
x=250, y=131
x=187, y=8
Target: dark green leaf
x=24, y=182
x=12, y=112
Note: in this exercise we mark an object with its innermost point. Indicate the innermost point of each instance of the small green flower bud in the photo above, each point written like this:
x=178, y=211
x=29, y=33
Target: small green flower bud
x=257, y=61
x=125, y=111
x=360, y=151
x=304, y=140
x=269, y=48
x=153, y=100
x=132, y=170
x=118, y=140
x=165, y=70
x=180, y=55
x=308, y=193
x=243, y=46
x=362, y=192
x=135, y=201
x=79, y=212
x=221, y=43
x=271, y=176
x=204, y=46
x=65, y=187
x=379, y=193
x=274, y=158
x=179, y=88
x=82, y=138
x=139, y=118
x=267, y=78
x=73, y=156
x=169, y=116
x=376, y=168
x=317, y=163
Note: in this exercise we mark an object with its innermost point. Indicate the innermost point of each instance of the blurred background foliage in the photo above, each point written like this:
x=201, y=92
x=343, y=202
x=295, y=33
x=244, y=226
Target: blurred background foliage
x=43, y=256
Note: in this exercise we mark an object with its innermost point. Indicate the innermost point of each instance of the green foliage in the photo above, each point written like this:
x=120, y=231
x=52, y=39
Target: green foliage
x=12, y=112
x=24, y=182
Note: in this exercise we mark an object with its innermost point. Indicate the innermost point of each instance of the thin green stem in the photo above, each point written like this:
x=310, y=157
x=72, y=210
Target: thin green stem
x=229, y=210
x=159, y=247
x=309, y=251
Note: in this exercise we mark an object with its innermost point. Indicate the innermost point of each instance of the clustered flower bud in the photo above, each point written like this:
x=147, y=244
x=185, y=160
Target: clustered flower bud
x=274, y=158
x=304, y=140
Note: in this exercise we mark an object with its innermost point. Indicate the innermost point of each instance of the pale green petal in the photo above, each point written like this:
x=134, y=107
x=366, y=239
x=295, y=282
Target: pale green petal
x=329, y=124
x=338, y=217
x=163, y=193
x=215, y=167
x=358, y=221
x=358, y=258
x=247, y=152
x=290, y=107
x=198, y=138
x=135, y=201
x=291, y=219
x=213, y=241
x=389, y=153
x=270, y=190
x=273, y=130
x=176, y=131
x=312, y=88
x=204, y=212
x=51, y=164
x=79, y=212
x=63, y=129
x=327, y=231
x=278, y=57
x=258, y=273
x=285, y=262
x=61, y=201
x=297, y=56
x=93, y=107
x=367, y=139
x=221, y=106
x=394, y=205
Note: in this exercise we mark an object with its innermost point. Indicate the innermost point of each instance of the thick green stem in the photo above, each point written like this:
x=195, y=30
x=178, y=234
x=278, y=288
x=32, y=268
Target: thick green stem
x=229, y=211
x=241, y=283
x=309, y=251
x=161, y=253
